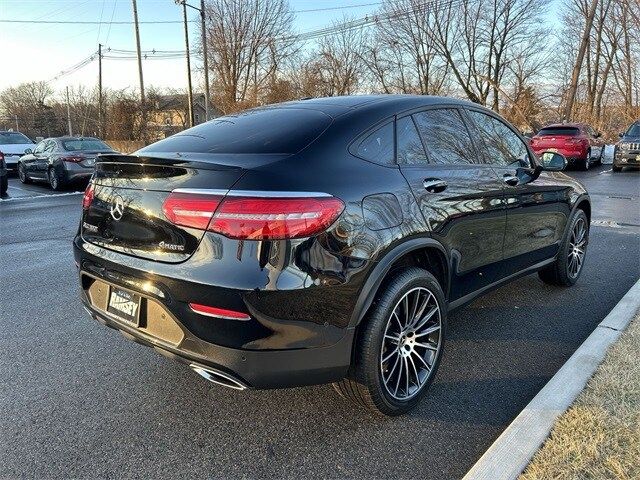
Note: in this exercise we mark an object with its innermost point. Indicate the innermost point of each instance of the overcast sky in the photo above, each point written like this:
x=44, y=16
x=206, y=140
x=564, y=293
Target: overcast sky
x=39, y=51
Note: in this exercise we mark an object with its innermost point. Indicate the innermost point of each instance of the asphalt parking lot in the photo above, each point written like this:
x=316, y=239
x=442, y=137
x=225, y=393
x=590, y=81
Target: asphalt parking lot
x=78, y=400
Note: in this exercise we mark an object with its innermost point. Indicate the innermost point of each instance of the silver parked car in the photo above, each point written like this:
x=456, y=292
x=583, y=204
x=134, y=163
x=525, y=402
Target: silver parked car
x=61, y=161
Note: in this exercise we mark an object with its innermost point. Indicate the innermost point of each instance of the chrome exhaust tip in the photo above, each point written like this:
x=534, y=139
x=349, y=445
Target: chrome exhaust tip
x=219, y=378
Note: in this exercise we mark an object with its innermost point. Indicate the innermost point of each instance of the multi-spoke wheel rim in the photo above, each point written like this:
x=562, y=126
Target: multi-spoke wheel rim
x=53, y=181
x=21, y=173
x=577, y=248
x=411, y=343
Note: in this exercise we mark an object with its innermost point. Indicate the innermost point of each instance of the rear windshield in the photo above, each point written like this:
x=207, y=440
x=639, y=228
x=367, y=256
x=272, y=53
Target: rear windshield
x=572, y=131
x=269, y=130
x=634, y=130
x=80, y=144
x=13, y=138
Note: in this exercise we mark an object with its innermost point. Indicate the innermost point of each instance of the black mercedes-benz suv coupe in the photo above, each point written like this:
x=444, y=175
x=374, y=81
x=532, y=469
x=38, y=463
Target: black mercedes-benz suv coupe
x=323, y=240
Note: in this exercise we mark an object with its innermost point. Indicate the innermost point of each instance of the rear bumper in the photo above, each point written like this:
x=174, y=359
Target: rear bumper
x=249, y=368
x=76, y=172
x=297, y=334
x=572, y=155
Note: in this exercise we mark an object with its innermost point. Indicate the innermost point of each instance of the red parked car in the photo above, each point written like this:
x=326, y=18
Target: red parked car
x=580, y=143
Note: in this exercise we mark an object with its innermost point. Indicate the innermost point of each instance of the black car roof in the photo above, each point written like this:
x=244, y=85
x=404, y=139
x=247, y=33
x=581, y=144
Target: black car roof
x=352, y=102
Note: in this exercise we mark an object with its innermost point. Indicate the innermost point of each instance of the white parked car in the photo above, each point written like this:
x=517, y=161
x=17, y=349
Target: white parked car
x=13, y=146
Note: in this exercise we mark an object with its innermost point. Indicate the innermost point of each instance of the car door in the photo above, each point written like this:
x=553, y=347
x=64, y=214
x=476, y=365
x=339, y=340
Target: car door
x=30, y=160
x=534, y=228
x=460, y=197
x=42, y=162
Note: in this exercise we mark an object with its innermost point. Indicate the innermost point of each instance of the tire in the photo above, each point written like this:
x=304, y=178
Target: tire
x=22, y=174
x=562, y=271
x=56, y=180
x=599, y=160
x=4, y=185
x=381, y=343
x=616, y=168
x=587, y=161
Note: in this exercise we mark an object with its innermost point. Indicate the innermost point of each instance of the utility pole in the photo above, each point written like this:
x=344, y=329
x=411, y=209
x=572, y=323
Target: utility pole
x=69, y=114
x=186, y=41
x=100, y=107
x=142, y=100
x=575, y=76
x=205, y=56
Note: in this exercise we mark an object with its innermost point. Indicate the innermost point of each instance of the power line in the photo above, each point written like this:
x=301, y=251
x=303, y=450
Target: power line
x=360, y=23
x=127, y=22
x=80, y=22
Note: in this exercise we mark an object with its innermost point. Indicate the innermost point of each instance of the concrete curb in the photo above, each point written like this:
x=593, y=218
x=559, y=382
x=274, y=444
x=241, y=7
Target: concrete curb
x=510, y=454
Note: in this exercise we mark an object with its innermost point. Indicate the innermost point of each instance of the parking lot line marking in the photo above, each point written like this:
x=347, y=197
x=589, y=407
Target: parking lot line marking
x=53, y=195
x=21, y=189
x=510, y=454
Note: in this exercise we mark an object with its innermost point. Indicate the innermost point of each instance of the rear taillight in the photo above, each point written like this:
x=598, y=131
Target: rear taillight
x=88, y=197
x=253, y=217
x=190, y=209
x=72, y=159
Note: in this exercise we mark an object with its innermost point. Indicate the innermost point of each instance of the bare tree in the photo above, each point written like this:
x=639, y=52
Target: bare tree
x=247, y=40
x=602, y=92
x=584, y=42
x=339, y=62
x=626, y=71
x=478, y=39
x=30, y=104
x=403, y=56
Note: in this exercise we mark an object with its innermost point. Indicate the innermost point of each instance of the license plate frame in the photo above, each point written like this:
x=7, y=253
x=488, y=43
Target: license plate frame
x=124, y=305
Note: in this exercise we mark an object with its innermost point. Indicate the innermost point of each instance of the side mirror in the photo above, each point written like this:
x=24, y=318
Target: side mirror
x=621, y=135
x=553, y=161
x=28, y=151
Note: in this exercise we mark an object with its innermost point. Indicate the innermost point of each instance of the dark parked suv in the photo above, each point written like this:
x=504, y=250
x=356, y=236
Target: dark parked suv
x=627, y=151
x=323, y=240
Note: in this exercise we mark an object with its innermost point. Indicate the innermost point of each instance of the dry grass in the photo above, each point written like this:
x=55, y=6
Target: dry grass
x=599, y=436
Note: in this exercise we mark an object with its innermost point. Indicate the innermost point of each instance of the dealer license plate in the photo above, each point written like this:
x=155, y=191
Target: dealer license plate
x=124, y=305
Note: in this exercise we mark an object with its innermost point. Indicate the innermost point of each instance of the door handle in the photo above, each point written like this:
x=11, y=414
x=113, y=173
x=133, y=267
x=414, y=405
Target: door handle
x=434, y=185
x=510, y=179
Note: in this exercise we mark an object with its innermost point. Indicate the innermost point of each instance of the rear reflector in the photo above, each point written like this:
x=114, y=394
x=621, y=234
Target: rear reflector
x=252, y=217
x=88, y=196
x=218, y=312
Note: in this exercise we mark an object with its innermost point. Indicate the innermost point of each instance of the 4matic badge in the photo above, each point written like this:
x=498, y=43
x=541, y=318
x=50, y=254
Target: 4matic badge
x=171, y=246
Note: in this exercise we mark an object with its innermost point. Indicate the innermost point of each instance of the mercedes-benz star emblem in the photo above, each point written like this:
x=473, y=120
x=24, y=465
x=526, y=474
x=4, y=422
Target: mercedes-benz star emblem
x=117, y=208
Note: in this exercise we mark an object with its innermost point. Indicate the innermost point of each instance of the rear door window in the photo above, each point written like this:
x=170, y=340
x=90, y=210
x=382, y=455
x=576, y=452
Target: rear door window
x=378, y=146
x=551, y=131
x=267, y=130
x=504, y=147
x=51, y=146
x=40, y=147
x=410, y=148
x=445, y=137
